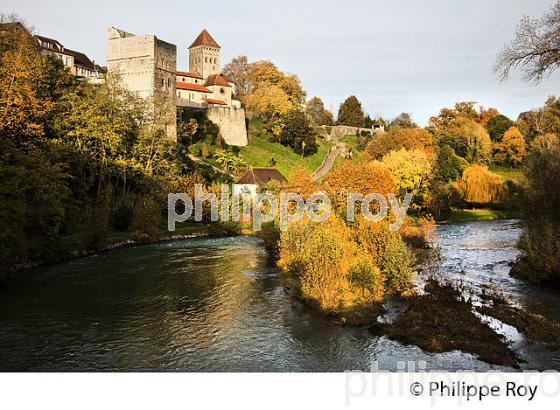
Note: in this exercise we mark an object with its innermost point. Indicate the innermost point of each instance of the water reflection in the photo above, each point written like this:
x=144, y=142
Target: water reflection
x=212, y=305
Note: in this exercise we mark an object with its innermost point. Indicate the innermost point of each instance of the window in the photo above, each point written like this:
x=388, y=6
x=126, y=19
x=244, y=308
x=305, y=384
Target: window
x=162, y=83
x=169, y=82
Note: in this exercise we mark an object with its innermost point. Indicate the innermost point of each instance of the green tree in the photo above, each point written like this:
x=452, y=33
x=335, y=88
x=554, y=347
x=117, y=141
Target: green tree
x=351, y=113
x=469, y=140
x=298, y=133
x=315, y=109
x=497, y=126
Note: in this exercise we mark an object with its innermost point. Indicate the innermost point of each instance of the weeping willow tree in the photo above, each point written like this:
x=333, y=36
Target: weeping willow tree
x=478, y=185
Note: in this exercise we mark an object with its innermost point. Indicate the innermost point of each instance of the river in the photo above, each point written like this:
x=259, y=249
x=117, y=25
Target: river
x=218, y=305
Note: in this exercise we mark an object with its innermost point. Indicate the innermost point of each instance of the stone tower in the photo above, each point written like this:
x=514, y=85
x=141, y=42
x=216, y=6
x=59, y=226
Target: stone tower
x=204, y=55
x=147, y=66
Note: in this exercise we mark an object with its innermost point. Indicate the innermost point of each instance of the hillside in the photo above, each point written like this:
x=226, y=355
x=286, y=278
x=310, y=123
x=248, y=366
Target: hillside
x=260, y=151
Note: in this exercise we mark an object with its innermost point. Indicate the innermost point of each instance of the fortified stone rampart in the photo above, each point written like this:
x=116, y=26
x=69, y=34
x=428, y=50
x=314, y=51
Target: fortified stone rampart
x=335, y=132
x=231, y=122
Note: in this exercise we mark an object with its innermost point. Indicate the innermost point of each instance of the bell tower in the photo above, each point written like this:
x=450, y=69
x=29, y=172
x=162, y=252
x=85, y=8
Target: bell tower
x=204, y=55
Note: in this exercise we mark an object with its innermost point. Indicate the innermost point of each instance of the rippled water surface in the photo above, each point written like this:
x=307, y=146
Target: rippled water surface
x=218, y=305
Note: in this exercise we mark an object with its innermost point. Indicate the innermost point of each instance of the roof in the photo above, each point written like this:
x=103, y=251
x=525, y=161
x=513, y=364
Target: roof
x=204, y=39
x=261, y=176
x=217, y=79
x=55, y=44
x=81, y=59
x=213, y=101
x=189, y=74
x=192, y=87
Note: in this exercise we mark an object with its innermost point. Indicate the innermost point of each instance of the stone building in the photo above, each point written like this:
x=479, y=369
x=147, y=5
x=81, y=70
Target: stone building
x=147, y=66
x=205, y=87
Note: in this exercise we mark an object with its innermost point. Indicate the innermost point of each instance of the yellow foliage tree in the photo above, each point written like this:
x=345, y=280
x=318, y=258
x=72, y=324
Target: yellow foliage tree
x=511, y=149
x=268, y=102
x=23, y=103
x=411, y=171
x=478, y=185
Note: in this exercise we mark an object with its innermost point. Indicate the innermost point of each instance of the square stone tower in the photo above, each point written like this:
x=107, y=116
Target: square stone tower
x=204, y=55
x=148, y=67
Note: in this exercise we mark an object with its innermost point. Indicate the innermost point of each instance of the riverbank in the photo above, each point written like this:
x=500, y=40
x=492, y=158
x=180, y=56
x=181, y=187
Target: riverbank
x=116, y=240
x=472, y=215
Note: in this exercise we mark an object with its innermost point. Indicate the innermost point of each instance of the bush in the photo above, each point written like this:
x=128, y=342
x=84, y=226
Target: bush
x=389, y=252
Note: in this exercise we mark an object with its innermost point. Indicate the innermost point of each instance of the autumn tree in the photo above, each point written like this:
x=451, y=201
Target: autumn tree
x=534, y=48
x=469, y=140
x=397, y=138
x=363, y=177
x=403, y=120
x=264, y=74
x=24, y=100
x=411, y=171
x=316, y=111
x=497, y=126
x=268, y=103
x=351, y=113
x=238, y=71
x=541, y=121
x=511, y=149
x=478, y=185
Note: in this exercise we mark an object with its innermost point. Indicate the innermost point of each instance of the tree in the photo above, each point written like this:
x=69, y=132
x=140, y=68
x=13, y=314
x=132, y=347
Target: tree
x=363, y=177
x=264, y=74
x=480, y=186
x=511, y=149
x=497, y=125
x=268, y=102
x=541, y=121
x=469, y=140
x=351, y=113
x=403, y=120
x=397, y=138
x=448, y=165
x=411, y=171
x=238, y=71
x=315, y=109
x=541, y=239
x=24, y=101
x=535, y=48
x=298, y=133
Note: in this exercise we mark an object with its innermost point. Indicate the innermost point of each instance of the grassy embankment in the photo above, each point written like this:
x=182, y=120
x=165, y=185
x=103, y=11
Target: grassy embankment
x=261, y=150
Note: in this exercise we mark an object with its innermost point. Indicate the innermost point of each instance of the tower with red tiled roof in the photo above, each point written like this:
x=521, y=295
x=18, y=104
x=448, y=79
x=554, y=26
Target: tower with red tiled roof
x=204, y=55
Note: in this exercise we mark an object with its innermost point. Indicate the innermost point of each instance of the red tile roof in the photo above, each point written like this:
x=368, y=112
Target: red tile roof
x=213, y=101
x=217, y=79
x=192, y=87
x=204, y=39
x=189, y=74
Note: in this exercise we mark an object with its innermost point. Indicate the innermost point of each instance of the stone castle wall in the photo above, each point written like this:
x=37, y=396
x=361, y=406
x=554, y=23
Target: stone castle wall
x=231, y=122
x=339, y=131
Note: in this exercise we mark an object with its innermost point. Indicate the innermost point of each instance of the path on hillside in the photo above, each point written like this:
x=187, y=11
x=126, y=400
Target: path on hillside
x=203, y=163
x=327, y=164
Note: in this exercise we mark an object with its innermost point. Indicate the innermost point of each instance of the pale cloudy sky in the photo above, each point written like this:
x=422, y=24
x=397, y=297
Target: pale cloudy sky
x=396, y=56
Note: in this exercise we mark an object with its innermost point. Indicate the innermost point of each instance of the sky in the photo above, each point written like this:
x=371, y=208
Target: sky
x=414, y=56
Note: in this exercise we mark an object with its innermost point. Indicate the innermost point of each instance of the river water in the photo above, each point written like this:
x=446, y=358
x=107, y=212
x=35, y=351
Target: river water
x=218, y=305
